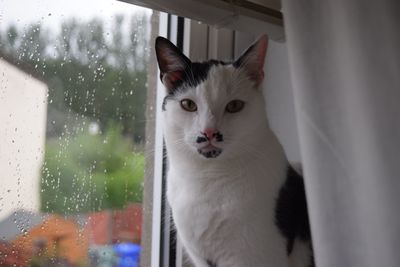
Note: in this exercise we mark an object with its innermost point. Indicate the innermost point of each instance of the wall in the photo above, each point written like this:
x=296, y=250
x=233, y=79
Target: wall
x=23, y=107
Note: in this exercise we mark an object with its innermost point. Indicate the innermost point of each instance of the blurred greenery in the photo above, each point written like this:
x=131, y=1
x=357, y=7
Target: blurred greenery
x=96, y=75
x=88, y=172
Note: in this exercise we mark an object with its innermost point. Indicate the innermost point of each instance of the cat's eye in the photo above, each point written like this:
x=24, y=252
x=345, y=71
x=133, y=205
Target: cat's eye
x=234, y=106
x=188, y=105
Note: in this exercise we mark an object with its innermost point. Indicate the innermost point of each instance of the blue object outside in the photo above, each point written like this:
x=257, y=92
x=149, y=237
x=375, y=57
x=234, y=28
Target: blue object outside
x=128, y=254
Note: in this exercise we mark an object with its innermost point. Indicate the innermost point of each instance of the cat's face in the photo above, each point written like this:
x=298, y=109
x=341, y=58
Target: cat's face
x=212, y=109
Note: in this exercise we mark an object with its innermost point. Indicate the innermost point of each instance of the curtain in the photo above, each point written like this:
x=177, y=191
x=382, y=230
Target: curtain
x=344, y=60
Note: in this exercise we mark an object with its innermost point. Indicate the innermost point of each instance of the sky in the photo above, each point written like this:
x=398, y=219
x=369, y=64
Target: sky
x=52, y=12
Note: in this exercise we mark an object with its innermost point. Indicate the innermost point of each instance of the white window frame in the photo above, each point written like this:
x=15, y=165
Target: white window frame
x=158, y=161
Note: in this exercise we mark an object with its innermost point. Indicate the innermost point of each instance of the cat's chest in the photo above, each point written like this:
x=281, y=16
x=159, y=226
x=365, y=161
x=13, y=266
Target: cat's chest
x=200, y=216
x=211, y=206
x=193, y=197
x=204, y=214
x=208, y=192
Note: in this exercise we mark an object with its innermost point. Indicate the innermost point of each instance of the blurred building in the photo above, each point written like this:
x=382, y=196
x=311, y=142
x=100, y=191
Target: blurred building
x=23, y=107
x=33, y=239
x=37, y=239
x=115, y=226
x=56, y=238
x=11, y=227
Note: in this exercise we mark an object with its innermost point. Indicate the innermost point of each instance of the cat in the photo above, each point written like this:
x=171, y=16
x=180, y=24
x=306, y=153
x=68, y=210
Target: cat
x=235, y=199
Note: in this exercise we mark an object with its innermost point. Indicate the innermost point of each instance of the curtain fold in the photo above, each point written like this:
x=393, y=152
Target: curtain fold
x=345, y=69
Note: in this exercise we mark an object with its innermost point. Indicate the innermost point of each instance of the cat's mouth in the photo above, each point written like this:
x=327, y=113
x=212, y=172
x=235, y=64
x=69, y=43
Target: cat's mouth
x=210, y=151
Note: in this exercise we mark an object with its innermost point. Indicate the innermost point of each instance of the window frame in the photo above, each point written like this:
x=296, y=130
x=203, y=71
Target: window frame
x=158, y=161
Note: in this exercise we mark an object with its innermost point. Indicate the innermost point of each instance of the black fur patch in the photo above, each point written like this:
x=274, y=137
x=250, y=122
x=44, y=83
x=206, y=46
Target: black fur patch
x=219, y=137
x=193, y=75
x=211, y=264
x=201, y=139
x=210, y=153
x=291, y=215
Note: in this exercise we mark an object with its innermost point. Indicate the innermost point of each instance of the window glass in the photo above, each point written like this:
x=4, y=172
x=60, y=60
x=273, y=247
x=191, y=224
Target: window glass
x=73, y=83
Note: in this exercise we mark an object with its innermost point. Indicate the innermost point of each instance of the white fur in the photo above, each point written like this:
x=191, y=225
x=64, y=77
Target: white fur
x=224, y=207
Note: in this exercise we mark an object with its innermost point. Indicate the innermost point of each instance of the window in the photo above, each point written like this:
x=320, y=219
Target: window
x=75, y=98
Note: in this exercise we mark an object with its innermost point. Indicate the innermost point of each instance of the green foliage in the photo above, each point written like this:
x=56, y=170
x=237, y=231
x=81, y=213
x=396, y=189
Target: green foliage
x=87, y=172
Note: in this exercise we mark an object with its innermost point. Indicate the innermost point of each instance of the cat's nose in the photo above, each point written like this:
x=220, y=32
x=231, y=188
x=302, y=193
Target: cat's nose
x=209, y=133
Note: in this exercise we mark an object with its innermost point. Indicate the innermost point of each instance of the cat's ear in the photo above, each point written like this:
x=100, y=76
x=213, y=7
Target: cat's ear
x=172, y=63
x=252, y=60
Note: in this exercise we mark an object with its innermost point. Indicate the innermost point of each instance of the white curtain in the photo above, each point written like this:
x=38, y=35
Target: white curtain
x=344, y=57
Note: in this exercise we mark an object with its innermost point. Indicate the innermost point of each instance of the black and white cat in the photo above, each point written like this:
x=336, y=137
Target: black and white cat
x=235, y=199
